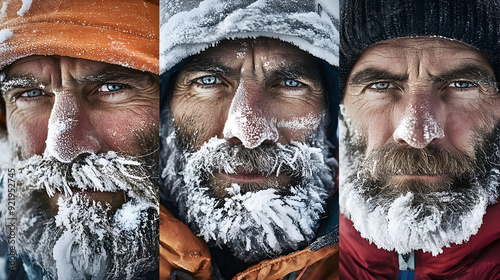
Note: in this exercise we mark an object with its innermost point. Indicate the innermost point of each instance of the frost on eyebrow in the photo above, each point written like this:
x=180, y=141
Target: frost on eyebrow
x=8, y=84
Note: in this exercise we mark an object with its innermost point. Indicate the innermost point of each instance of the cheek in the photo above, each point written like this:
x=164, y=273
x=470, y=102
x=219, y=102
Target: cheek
x=461, y=128
x=123, y=130
x=374, y=125
x=200, y=119
x=297, y=121
x=28, y=133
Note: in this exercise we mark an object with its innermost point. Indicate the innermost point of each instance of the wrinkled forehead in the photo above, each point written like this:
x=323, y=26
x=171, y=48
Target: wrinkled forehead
x=268, y=51
x=50, y=68
x=421, y=54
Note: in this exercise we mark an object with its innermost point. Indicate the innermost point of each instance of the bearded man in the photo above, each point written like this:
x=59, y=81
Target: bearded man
x=420, y=140
x=80, y=96
x=247, y=157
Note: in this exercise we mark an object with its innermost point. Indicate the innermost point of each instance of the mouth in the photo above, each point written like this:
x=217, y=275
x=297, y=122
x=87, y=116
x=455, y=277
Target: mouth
x=248, y=181
x=114, y=199
x=426, y=177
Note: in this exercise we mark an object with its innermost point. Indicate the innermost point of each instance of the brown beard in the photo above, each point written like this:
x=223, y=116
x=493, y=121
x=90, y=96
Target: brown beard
x=406, y=214
x=393, y=159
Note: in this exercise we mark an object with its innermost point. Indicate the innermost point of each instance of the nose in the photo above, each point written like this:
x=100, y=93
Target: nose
x=248, y=121
x=70, y=132
x=419, y=126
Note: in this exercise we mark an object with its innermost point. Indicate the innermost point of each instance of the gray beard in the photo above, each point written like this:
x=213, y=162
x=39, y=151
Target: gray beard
x=407, y=220
x=85, y=239
x=253, y=225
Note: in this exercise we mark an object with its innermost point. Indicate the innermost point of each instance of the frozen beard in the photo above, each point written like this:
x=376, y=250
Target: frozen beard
x=254, y=222
x=411, y=215
x=83, y=238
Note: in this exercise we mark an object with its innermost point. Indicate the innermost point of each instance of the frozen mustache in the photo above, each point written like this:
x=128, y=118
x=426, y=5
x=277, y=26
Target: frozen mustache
x=391, y=159
x=219, y=155
x=107, y=172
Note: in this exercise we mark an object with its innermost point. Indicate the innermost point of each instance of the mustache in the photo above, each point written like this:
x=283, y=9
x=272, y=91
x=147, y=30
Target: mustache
x=293, y=160
x=105, y=172
x=392, y=159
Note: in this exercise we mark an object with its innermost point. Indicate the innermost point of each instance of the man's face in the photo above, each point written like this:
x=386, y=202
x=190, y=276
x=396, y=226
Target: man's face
x=69, y=106
x=420, y=114
x=249, y=92
x=85, y=136
x=421, y=91
x=248, y=116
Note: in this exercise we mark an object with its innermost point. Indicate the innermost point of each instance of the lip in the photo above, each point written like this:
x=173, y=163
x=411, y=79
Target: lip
x=114, y=199
x=429, y=177
x=244, y=178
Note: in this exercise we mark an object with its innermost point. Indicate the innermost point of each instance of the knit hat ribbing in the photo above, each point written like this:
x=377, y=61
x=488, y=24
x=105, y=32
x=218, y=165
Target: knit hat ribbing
x=366, y=22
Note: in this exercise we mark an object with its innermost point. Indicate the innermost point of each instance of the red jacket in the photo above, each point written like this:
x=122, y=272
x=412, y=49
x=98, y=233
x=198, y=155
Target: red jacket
x=479, y=258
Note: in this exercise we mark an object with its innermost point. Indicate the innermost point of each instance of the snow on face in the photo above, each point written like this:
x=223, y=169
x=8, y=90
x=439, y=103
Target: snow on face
x=249, y=125
x=82, y=237
x=5, y=34
x=416, y=122
x=26, y=6
x=258, y=224
x=405, y=218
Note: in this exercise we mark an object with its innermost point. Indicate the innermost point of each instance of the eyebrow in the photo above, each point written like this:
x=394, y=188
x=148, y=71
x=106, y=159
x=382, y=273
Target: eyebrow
x=23, y=81
x=104, y=75
x=293, y=70
x=112, y=73
x=372, y=74
x=467, y=72
x=207, y=65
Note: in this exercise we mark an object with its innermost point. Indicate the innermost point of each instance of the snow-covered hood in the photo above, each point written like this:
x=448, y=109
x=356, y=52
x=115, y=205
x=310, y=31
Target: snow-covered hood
x=190, y=26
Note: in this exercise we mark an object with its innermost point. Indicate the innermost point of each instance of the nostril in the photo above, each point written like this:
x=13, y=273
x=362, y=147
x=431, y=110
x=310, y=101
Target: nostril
x=234, y=140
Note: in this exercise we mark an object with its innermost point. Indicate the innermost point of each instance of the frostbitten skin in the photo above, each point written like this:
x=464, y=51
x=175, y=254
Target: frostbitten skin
x=70, y=106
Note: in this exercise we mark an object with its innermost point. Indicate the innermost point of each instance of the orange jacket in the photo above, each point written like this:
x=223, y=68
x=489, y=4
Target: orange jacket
x=181, y=250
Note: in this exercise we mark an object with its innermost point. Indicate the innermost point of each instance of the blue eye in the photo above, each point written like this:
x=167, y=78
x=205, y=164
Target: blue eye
x=462, y=84
x=208, y=80
x=381, y=85
x=32, y=93
x=111, y=87
x=291, y=83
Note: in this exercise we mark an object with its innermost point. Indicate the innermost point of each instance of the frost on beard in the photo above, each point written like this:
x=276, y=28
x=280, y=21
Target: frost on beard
x=80, y=238
x=417, y=221
x=254, y=225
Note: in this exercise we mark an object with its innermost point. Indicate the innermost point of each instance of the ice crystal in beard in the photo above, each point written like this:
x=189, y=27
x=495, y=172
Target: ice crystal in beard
x=108, y=172
x=87, y=240
x=82, y=238
x=253, y=225
x=412, y=217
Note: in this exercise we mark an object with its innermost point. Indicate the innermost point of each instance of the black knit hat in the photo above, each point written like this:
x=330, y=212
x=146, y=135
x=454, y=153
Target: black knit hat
x=366, y=22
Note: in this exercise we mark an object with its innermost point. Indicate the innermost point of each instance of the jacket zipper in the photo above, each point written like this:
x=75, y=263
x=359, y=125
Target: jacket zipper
x=406, y=266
